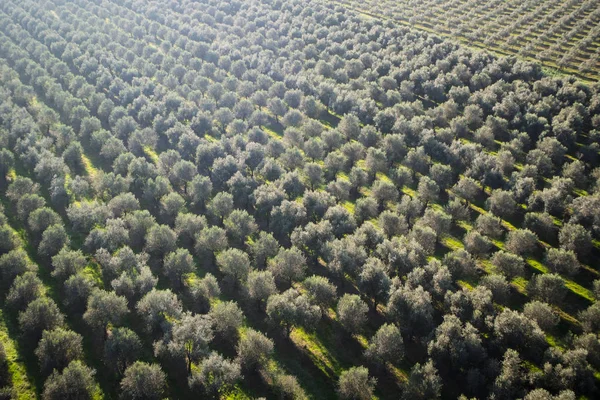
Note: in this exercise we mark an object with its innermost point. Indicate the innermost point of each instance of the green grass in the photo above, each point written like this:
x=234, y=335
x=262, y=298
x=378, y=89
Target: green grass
x=465, y=285
x=520, y=284
x=317, y=351
x=409, y=191
x=579, y=290
x=94, y=272
x=498, y=243
x=152, y=155
x=349, y=205
x=451, y=242
x=271, y=132
x=383, y=177
x=343, y=176
x=90, y=169
x=464, y=225
x=554, y=341
x=538, y=266
x=23, y=389
x=236, y=393
x=210, y=138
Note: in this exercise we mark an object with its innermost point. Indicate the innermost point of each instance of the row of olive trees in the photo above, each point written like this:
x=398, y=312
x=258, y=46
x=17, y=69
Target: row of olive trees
x=216, y=207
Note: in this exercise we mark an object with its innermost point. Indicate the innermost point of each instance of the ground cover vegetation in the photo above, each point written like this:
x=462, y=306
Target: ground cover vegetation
x=563, y=35
x=287, y=199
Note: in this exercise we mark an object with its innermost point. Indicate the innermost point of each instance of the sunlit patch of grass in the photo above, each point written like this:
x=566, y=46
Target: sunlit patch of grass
x=436, y=207
x=342, y=175
x=90, y=170
x=366, y=192
x=579, y=290
x=210, y=138
x=12, y=174
x=538, y=266
x=362, y=340
x=565, y=316
x=498, y=243
x=531, y=366
x=555, y=341
x=94, y=272
x=24, y=390
x=383, y=177
x=464, y=284
x=570, y=157
x=191, y=280
x=151, y=153
x=398, y=373
x=326, y=124
x=349, y=205
x=451, y=242
x=590, y=270
x=478, y=209
x=520, y=284
x=409, y=191
x=487, y=266
x=317, y=351
x=375, y=222
x=272, y=133
x=508, y=225
x=214, y=301
x=236, y=393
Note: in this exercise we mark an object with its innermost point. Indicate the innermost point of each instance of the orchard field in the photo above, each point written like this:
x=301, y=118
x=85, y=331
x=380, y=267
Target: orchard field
x=562, y=35
x=286, y=199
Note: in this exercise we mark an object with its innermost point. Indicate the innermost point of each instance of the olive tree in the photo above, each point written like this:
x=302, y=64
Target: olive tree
x=190, y=338
x=121, y=349
x=374, y=282
x=386, y=345
x=290, y=309
x=562, y=261
x=261, y=285
x=352, y=312
x=254, y=349
x=235, y=264
x=40, y=315
x=76, y=381
x=215, y=374
x=227, y=318
x=522, y=242
x=57, y=348
x=355, y=384
x=423, y=383
x=542, y=313
x=177, y=264
x=576, y=238
x=288, y=265
x=510, y=265
x=25, y=288
x=158, y=309
x=143, y=381
x=104, y=308
x=320, y=291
